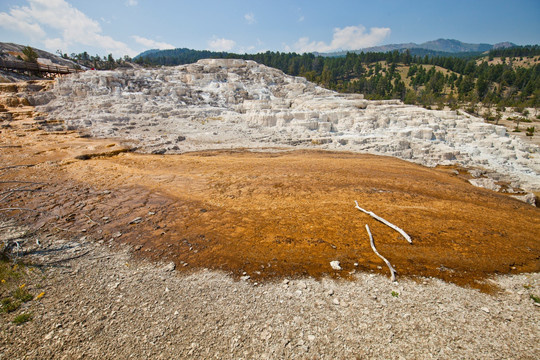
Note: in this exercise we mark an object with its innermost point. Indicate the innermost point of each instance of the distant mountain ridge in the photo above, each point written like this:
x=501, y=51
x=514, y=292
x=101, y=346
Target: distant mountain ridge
x=450, y=46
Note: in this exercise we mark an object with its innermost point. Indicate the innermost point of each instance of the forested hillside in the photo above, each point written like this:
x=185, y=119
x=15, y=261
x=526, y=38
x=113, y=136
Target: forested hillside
x=502, y=78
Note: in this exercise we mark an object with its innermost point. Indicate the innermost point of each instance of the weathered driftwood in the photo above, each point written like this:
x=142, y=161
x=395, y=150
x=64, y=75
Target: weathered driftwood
x=392, y=270
x=399, y=230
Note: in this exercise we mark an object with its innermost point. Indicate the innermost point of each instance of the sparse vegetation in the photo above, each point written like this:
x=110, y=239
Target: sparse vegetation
x=22, y=294
x=30, y=54
x=9, y=305
x=22, y=318
x=395, y=294
x=14, y=295
x=535, y=298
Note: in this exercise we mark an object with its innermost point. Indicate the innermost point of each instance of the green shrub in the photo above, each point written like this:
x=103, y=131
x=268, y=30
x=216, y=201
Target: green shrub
x=22, y=318
x=22, y=294
x=30, y=54
x=8, y=305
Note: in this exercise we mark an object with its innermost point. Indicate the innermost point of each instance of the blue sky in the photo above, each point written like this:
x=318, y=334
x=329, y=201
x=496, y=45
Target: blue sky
x=128, y=27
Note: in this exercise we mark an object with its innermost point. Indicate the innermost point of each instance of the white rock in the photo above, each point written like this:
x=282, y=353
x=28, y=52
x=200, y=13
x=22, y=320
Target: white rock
x=529, y=198
x=486, y=183
x=170, y=266
x=335, y=265
x=136, y=220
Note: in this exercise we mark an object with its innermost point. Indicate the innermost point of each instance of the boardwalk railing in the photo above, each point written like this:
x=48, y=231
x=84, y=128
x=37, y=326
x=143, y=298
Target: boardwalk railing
x=28, y=66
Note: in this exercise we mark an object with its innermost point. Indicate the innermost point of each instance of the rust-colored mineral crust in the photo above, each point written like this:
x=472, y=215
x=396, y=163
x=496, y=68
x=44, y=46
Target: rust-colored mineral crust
x=268, y=214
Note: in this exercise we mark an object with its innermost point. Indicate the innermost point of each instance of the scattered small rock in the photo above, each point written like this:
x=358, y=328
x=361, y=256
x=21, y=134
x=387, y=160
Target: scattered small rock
x=137, y=220
x=170, y=266
x=485, y=309
x=335, y=265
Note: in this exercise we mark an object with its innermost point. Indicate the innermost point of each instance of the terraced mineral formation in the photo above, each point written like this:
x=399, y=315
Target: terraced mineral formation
x=221, y=104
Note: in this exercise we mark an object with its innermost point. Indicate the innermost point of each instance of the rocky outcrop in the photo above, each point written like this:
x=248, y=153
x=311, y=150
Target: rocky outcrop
x=218, y=103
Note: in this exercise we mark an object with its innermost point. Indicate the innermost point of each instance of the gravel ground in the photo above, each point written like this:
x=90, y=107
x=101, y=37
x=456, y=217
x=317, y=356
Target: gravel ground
x=101, y=303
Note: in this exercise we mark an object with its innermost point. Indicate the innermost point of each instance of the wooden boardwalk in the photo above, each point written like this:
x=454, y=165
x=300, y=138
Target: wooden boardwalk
x=36, y=67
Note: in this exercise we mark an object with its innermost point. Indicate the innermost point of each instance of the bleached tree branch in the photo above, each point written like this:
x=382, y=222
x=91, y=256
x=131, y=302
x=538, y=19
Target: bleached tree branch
x=392, y=270
x=399, y=230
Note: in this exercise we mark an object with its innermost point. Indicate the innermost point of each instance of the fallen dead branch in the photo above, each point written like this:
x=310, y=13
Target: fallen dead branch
x=89, y=218
x=387, y=223
x=67, y=259
x=16, y=166
x=10, y=192
x=21, y=209
x=392, y=270
x=16, y=190
x=22, y=182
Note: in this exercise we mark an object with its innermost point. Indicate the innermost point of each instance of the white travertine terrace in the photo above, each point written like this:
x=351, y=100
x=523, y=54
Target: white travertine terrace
x=223, y=104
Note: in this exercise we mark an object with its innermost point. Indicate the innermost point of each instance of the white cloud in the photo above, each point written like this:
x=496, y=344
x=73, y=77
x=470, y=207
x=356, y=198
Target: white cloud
x=301, y=18
x=132, y=3
x=152, y=44
x=348, y=38
x=221, y=44
x=250, y=18
x=72, y=26
x=55, y=43
x=14, y=21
